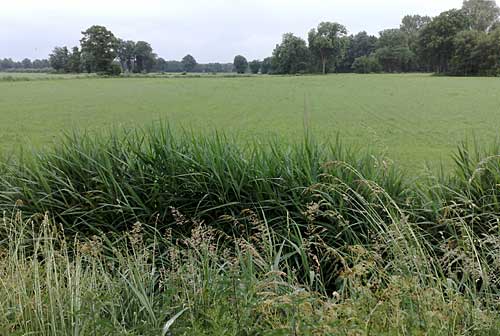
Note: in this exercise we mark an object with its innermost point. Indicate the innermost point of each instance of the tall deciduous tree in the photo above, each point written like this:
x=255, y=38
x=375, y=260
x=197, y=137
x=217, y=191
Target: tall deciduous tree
x=144, y=57
x=75, y=61
x=188, y=63
x=27, y=64
x=255, y=66
x=465, y=60
x=327, y=42
x=266, y=65
x=358, y=45
x=412, y=24
x=291, y=56
x=59, y=59
x=126, y=54
x=240, y=64
x=482, y=14
x=100, y=45
x=436, y=40
x=393, y=52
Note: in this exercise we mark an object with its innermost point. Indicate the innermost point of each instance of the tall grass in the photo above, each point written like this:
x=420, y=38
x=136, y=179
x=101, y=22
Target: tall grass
x=206, y=236
x=146, y=282
x=112, y=182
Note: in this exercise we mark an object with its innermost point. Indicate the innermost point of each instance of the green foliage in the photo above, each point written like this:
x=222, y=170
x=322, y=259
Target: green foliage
x=75, y=61
x=291, y=56
x=465, y=59
x=411, y=25
x=188, y=63
x=359, y=45
x=393, y=52
x=255, y=66
x=266, y=66
x=126, y=54
x=116, y=70
x=86, y=185
x=328, y=42
x=366, y=64
x=436, y=39
x=145, y=282
x=99, y=45
x=59, y=59
x=424, y=263
x=482, y=14
x=476, y=53
x=240, y=64
x=144, y=57
x=27, y=64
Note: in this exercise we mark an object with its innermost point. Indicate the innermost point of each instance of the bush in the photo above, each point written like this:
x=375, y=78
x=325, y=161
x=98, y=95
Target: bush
x=116, y=70
x=366, y=64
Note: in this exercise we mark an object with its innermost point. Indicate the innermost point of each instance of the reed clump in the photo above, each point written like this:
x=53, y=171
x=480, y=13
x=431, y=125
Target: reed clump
x=154, y=231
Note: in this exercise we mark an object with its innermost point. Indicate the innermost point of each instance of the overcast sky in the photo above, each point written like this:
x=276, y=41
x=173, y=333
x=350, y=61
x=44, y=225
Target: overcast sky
x=210, y=30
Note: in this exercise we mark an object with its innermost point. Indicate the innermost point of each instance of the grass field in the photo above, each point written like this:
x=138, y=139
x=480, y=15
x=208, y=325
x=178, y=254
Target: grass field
x=156, y=231
x=412, y=118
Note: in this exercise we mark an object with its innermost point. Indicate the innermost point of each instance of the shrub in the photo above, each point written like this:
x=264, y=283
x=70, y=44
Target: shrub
x=116, y=70
x=366, y=64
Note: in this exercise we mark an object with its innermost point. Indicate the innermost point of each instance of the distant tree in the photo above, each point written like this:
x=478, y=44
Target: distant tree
x=240, y=64
x=393, y=52
x=291, y=56
x=40, y=64
x=363, y=44
x=266, y=65
x=397, y=59
x=75, y=61
x=214, y=67
x=174, y=66
x=116, y=69
x=188, y=63
x=466, y=60
x=412, y=24
x=488, y=53
x=482, y=14
x=436, y=39
x=366, y=64
x=358, y=45
x=59, y=59
x=392, y=38
x=255, y=66
x=87, y=62
x=100, y=44
x=144, y=57
x=27, y=64
x=327, y=43
x=126, y=54
x=160, y=65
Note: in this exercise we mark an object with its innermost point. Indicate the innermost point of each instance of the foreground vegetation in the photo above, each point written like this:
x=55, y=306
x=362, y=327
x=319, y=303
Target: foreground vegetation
x=155, y=231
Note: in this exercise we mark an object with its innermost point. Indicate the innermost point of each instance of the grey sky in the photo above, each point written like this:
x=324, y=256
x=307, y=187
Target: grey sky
x=210, y=30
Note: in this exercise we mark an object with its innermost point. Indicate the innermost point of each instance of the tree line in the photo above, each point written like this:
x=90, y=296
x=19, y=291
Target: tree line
x=463, y=41
x=7, y=64
x=100, y=51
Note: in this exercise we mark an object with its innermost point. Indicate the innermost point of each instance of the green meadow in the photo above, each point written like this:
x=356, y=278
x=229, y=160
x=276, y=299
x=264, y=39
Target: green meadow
x=414, y=119
x=141, y=220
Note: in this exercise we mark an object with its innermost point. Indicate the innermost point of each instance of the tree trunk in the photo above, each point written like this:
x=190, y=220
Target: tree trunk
x=324, y=65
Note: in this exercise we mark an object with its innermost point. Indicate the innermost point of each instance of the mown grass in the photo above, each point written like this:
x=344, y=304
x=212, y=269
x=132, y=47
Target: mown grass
x=266, y=238
x=412, y=118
